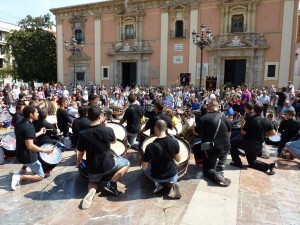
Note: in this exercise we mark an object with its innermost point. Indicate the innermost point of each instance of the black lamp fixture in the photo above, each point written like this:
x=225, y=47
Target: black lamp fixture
x=201, y=41
x=75, y=51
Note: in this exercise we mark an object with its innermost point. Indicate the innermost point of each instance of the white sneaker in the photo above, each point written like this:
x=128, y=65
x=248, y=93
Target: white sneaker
x=15, y=182
x=88, y=199
x=176, y=193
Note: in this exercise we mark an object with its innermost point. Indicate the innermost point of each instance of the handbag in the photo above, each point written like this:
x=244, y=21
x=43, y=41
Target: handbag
x=209, y=146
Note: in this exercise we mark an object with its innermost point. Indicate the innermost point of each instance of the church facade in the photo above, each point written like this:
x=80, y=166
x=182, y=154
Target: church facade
x=150, y=42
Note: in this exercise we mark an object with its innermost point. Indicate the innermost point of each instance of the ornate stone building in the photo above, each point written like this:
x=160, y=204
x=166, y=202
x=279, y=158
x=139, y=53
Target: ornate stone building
x=149, y=41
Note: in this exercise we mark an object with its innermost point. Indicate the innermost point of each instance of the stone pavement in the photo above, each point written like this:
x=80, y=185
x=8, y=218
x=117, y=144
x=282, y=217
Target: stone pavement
x=252, y=198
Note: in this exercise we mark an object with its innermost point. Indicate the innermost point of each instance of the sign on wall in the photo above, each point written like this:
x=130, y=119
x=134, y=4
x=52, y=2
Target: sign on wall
x=178, y=47
x=177, y=59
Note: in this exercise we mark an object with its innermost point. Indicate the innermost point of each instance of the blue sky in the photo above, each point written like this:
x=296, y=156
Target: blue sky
x=12, y=11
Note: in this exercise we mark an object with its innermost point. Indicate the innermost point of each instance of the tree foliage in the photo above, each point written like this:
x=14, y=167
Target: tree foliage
x=34, y=49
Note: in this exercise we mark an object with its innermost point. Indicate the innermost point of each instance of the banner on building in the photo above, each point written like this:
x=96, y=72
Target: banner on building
x=184, y=79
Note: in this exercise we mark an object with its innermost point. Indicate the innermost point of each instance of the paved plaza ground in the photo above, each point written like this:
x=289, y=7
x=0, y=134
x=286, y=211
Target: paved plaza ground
x=252, y=198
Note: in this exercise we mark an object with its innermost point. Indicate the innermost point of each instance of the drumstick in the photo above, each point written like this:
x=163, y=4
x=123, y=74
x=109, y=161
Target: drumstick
x=49, y=129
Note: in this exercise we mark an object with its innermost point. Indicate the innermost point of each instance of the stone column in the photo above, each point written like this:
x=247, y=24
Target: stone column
x=60, y=51
x=192, y=47
x=164, y=46
x=286, y=40
x=97, y=28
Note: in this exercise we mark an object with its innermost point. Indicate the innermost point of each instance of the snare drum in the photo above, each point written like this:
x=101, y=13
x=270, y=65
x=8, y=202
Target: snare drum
x=119, y=148
x=119, y=130
x=9, y=140
x=117, y=111
x=50, y=161
x=274, y=140
x=143, y=136
x=185, y=152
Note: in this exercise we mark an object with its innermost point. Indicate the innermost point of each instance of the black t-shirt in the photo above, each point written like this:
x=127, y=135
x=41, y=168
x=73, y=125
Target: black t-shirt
x=96, y=140
x=162, y=165
x=49, y=136
x=133, y=115
x=63, y=120
x=207, y=125
x=24, y=130
x=79, y=124
x=151, y=122
x=256, y=128
x=282, y=96
x=288, y=129
x=16, y=119
x=6, y=101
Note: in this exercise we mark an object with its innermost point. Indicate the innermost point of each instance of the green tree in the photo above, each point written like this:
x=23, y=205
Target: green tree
x=33, y=48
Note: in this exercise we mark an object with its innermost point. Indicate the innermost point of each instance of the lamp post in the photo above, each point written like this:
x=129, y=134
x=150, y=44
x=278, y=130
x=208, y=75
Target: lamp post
x=75, y=51
x=201, y=41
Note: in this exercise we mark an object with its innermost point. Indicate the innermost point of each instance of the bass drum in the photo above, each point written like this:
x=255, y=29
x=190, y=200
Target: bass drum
x=119, y=148
x=119, y=130
x=9, y=147
x=185, y=152
x=50, y=161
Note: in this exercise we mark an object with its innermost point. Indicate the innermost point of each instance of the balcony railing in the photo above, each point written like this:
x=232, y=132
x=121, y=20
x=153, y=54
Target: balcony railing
x=178, y=34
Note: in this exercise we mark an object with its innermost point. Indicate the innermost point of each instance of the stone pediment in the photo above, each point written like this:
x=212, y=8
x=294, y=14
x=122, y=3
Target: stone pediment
x=237, y=42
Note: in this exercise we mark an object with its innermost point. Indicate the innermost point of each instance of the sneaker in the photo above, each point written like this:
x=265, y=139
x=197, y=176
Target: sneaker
x=219, y=177
x=176, y=193
x=158, y=187
x=242, y=153
x=240, y=165
x=88, y=199
x=220, y=168
x=15, y=182
x=112, y=189
x=271, y=169
x=22, y=171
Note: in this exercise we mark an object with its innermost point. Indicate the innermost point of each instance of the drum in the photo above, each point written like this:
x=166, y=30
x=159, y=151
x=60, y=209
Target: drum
x=274, y=140
x=143, y=136
x=119, y=148
x=49, y=161
x=119, y=130
x=187, y=133
x=185, y=152
x=52, y=119
x=6, y=118
x=117, y=111
x=9, y=140
x=173, y=131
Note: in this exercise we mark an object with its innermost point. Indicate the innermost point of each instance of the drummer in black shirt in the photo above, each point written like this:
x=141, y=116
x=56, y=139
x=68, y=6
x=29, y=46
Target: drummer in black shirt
x=133, y=115
x=26, y=150
x=79, y=124
x=18, y=116
x=158, y=161
x=95, y=141
x=158, y=108
x=254, y=132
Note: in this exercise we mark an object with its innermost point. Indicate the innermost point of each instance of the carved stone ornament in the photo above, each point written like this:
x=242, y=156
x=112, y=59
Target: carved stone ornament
x=126, y=48
x=235, y=42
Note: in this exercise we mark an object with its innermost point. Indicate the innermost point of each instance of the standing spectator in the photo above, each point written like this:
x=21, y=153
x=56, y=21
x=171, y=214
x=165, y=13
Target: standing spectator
x=282, y=98
x=15, y=92
x=290, y=88
x=265, y=100
x=246, y=96
x=41, y=93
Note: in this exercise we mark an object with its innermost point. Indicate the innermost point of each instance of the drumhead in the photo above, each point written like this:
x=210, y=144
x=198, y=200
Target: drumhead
x=12, y=109
x=9, y=139
x=119, y=147
x=179, y=128
x=119, y=130
x=183, y=146
x=173, y=131
x=52, y=158
x=275, y=138
x=147, y=132
x=51, y=119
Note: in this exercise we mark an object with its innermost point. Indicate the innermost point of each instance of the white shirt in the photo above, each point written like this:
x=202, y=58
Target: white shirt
x=16, y=92
x=264, y=99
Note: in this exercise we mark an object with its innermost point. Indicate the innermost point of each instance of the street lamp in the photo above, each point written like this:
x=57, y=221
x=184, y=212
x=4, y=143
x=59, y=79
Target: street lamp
x=75, y=51
x=201, y=41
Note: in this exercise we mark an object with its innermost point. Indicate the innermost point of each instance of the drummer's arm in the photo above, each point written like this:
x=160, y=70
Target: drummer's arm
x=42, y=131
x=144, y=165
x=122, y=121
x=32, y=147
x=79, y=157
x=177, y=157
x=271, y=133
